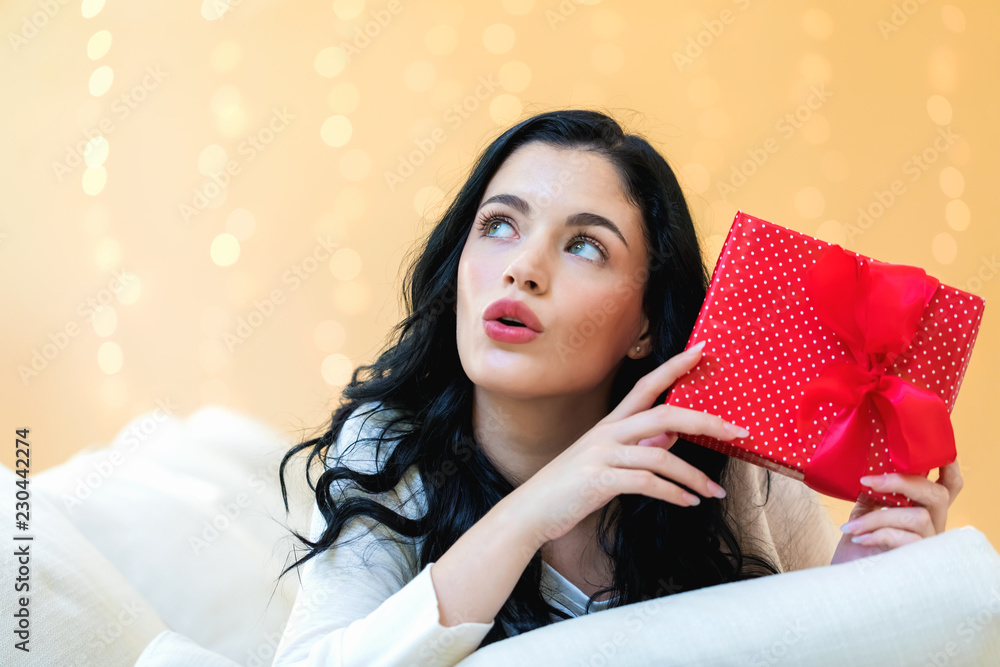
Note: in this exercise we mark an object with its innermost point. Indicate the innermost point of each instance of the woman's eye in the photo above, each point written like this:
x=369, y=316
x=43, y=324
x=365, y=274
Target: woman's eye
x=488, y=224
x=598, y=256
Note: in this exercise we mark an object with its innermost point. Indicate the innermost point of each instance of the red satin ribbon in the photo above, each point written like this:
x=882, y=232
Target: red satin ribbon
x=874, y=308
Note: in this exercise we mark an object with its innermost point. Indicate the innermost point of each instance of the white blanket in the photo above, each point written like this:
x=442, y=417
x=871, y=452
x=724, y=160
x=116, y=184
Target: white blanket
x=164, y=547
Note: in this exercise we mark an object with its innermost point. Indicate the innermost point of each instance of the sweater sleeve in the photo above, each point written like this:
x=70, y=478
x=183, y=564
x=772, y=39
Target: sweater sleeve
x=803, y=531
x=350, y=613
x=789, y=524
x=359, y=603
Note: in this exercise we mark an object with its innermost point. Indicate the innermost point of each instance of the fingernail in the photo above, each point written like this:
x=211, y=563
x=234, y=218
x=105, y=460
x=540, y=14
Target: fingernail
x=716, y=490
x=696, y=347
x=691, y=499
x=849, y=526
x=873, y=480
x=858, y=539
x=739, y=431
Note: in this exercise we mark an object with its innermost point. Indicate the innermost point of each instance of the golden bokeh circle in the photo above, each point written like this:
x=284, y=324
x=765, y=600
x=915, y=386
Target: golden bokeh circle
x=108, y=253
x=832, y=231
x=99, y=44
x=101, y=80
x=953, y=18
x=330, y=62
x=336, y=131
x=225, y=249
x=952, y=182
x=104, y=320
x=91, y=8
x=96, y=151
x=958, y=215
x=336, y=369
x=441, y=40
x=110, y=358
x=226, y=56
x=130, y=288
x=499, y=38
x=817, y=23
x=939, y=109
x=809, y=202
x=94, y=180
x=505, y=109
x=348, y=9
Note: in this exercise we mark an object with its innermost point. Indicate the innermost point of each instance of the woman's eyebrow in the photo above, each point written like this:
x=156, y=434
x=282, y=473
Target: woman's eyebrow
x=576, y=220
x=515, y=202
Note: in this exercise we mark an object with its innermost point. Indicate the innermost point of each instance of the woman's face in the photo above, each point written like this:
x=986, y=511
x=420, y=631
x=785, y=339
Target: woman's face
x=584, y=282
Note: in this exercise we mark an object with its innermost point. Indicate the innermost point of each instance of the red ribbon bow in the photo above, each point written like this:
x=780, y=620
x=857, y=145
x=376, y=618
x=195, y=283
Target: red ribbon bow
x=874, y=308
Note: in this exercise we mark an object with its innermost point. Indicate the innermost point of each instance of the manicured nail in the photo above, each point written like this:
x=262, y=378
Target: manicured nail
x=849, y=526
x=738, y=431
x=696, y=347
x=691, y=499
x=716, y=490
x=859, y=539
x=873, y=480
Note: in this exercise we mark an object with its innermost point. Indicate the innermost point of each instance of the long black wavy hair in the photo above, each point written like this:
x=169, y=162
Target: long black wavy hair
x=650, y=541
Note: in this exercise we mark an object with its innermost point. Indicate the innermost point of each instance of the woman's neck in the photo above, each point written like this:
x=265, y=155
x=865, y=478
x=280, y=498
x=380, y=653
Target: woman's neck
x=521, y=436
x=578, y=557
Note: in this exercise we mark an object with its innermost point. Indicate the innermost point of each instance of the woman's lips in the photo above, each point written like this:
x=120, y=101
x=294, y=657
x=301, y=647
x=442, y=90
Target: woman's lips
x=503, y=333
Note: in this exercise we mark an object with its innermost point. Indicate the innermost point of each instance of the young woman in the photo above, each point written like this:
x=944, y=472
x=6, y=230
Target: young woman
x=508, y=462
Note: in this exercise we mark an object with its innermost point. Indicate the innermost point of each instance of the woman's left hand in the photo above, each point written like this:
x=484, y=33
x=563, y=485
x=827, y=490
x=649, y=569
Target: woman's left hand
x=892, y=527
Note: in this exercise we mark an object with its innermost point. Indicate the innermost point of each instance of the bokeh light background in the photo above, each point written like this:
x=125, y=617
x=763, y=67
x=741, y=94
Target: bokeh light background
x=212, y=203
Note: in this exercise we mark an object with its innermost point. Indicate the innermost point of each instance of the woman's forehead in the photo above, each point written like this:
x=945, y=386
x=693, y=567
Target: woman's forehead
x=542, y=174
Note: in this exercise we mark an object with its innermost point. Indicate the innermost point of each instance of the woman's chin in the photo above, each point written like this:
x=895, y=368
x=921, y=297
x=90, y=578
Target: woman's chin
x=511, y=380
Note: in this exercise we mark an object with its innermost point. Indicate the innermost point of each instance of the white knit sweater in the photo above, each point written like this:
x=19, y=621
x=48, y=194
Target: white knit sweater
x=365, y=603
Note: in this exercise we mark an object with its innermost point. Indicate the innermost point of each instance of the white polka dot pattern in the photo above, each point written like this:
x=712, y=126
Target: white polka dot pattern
x=765, y=343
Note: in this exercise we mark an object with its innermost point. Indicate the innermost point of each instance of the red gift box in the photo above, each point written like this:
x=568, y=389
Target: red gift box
x=839, y=365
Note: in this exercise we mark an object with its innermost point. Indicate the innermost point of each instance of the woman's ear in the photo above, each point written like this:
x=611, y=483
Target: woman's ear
x=643, y=344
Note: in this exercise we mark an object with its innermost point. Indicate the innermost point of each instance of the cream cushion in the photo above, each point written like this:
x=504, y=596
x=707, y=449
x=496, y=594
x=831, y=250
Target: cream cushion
x=188, y=510
x=81, y=610
x=125, y=561
x=933, y=602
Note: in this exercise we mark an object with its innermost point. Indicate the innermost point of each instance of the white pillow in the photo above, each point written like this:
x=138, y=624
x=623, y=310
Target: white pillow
x=190, y=512
x=932, y=602
x=81, y=611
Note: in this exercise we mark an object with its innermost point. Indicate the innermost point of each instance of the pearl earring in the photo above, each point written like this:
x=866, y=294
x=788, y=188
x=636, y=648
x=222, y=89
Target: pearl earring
x=638, y=348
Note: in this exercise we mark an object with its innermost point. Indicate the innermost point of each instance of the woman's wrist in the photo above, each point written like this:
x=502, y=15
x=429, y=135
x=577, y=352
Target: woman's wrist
x=529, y=531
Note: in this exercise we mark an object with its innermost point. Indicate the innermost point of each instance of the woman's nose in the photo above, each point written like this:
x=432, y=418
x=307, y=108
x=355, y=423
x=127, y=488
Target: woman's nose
x=529, y=268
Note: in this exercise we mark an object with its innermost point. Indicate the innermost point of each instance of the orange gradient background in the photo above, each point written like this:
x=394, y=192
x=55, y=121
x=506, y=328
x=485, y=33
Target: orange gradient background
x=177, y=175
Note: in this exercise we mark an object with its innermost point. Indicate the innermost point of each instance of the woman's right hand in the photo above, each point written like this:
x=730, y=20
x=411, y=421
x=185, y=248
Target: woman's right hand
x=624, y=453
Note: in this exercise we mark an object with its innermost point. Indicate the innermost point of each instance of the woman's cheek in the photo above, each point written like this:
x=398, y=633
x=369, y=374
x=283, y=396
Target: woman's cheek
x=623, y=288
